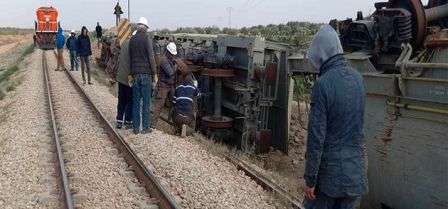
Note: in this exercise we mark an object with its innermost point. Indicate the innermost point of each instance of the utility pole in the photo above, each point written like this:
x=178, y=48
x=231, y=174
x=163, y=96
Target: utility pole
x=229, y=9
x=129, y=10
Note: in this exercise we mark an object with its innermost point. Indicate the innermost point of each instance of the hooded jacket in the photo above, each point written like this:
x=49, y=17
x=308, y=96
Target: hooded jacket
x=123, y=64
x=72, y=43
x=60, y=39
x=335, y=156
x=84, y=48
x=141, y=53
x=325, y=44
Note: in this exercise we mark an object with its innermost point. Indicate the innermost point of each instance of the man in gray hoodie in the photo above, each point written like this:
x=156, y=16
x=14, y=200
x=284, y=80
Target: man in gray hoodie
x=124, y=106
x=335, y=172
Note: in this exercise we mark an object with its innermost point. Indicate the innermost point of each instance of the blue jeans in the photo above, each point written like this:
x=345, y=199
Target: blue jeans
x=323, y=201
x=141, y=93
x=73, y=60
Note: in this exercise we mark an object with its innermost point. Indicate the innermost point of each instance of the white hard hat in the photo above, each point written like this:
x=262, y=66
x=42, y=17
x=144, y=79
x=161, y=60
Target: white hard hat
x=72, y=31
x=171, y=47
x=143, y=21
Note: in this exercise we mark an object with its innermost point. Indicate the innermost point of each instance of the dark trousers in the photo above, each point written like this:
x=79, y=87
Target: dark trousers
x=73, y=60
x=323, y=201
x=141, y=101
x=182, y=119
x=124, y=107
x=85, y=66
x=159, y=101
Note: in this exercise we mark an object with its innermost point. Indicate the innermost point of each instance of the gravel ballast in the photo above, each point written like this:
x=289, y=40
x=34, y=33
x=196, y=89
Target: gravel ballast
x=196, y=177
x=27, y=175
x=98, y=175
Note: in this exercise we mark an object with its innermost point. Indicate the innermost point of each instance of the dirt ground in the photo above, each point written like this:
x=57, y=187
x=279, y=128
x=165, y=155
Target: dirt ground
x=7, y=42
x=11, y=47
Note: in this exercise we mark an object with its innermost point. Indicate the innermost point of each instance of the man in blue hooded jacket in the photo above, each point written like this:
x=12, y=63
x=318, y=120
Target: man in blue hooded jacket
x=60, y=42
x=335, y=173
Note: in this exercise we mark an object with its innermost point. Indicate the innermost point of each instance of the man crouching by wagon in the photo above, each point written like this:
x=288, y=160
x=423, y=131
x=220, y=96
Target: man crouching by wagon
x=184, y=96
x=335, y=172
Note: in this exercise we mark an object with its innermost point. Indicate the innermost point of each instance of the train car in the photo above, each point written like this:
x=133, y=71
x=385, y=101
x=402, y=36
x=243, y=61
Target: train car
x=46, y=27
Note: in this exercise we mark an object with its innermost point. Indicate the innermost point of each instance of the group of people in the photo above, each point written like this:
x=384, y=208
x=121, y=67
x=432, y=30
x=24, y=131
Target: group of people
x=79, y=48
x=335, y=173
x=139, y=79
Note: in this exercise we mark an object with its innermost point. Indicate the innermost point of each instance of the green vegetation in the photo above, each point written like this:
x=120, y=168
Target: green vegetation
x=6, y=74
x=297, y=34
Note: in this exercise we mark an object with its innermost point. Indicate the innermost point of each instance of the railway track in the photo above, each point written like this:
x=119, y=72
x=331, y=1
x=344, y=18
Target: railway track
x=96, y=168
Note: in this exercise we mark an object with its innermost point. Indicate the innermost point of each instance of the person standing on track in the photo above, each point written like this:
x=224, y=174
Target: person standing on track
x=335, y=172
x=143, y=68
x=117, y=12
x=72, y=47
x=165, y=82
x=99, y=34
x=60, y=42
x=84, y=51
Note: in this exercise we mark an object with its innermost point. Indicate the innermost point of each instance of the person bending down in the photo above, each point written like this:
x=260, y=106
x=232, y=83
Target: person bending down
x=183, y=100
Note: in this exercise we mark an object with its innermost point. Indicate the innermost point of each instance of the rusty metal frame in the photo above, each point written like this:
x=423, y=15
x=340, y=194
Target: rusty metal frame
x=144, y=176
x=419, y=17
x=67, y=196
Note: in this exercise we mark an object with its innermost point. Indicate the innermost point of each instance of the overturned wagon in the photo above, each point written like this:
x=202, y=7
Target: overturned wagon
x=402, y=52
x=245, y=86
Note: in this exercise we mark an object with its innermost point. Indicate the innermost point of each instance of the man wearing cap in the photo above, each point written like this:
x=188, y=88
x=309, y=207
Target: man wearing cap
x=72, y=47
x=143, y=68
x=166, y=74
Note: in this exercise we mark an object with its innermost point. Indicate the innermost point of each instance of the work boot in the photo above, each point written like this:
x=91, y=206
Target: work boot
x=136, y=132
x=90, y=83
x=119, y=125
x=84, y=82
x=147, y=131
x=128, y=125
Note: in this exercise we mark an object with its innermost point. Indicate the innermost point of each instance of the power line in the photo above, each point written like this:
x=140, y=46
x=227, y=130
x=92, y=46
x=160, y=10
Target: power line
x=258, y=4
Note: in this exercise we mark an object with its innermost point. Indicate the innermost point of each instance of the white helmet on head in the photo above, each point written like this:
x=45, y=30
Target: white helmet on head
x=143, y=21
x=171, y=47
x=72, y=31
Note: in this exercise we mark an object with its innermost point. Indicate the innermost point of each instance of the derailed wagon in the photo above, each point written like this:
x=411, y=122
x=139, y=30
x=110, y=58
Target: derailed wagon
x=402, y=52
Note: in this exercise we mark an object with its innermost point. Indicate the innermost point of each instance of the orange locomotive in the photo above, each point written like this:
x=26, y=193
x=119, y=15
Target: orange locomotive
x=46, y=27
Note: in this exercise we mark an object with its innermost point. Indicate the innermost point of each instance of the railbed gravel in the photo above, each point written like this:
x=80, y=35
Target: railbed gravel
x=27, y=166
x=98, y=174
x=194, y=176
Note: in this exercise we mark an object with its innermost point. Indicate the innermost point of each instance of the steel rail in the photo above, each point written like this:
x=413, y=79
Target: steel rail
x=144, y=176
x=263, y=181
x=67, y=196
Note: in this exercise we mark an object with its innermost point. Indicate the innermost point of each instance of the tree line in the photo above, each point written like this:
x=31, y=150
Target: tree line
x=297, y=34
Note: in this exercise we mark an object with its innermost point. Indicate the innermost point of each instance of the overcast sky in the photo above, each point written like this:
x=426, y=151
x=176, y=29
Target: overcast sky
x=177, y=13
